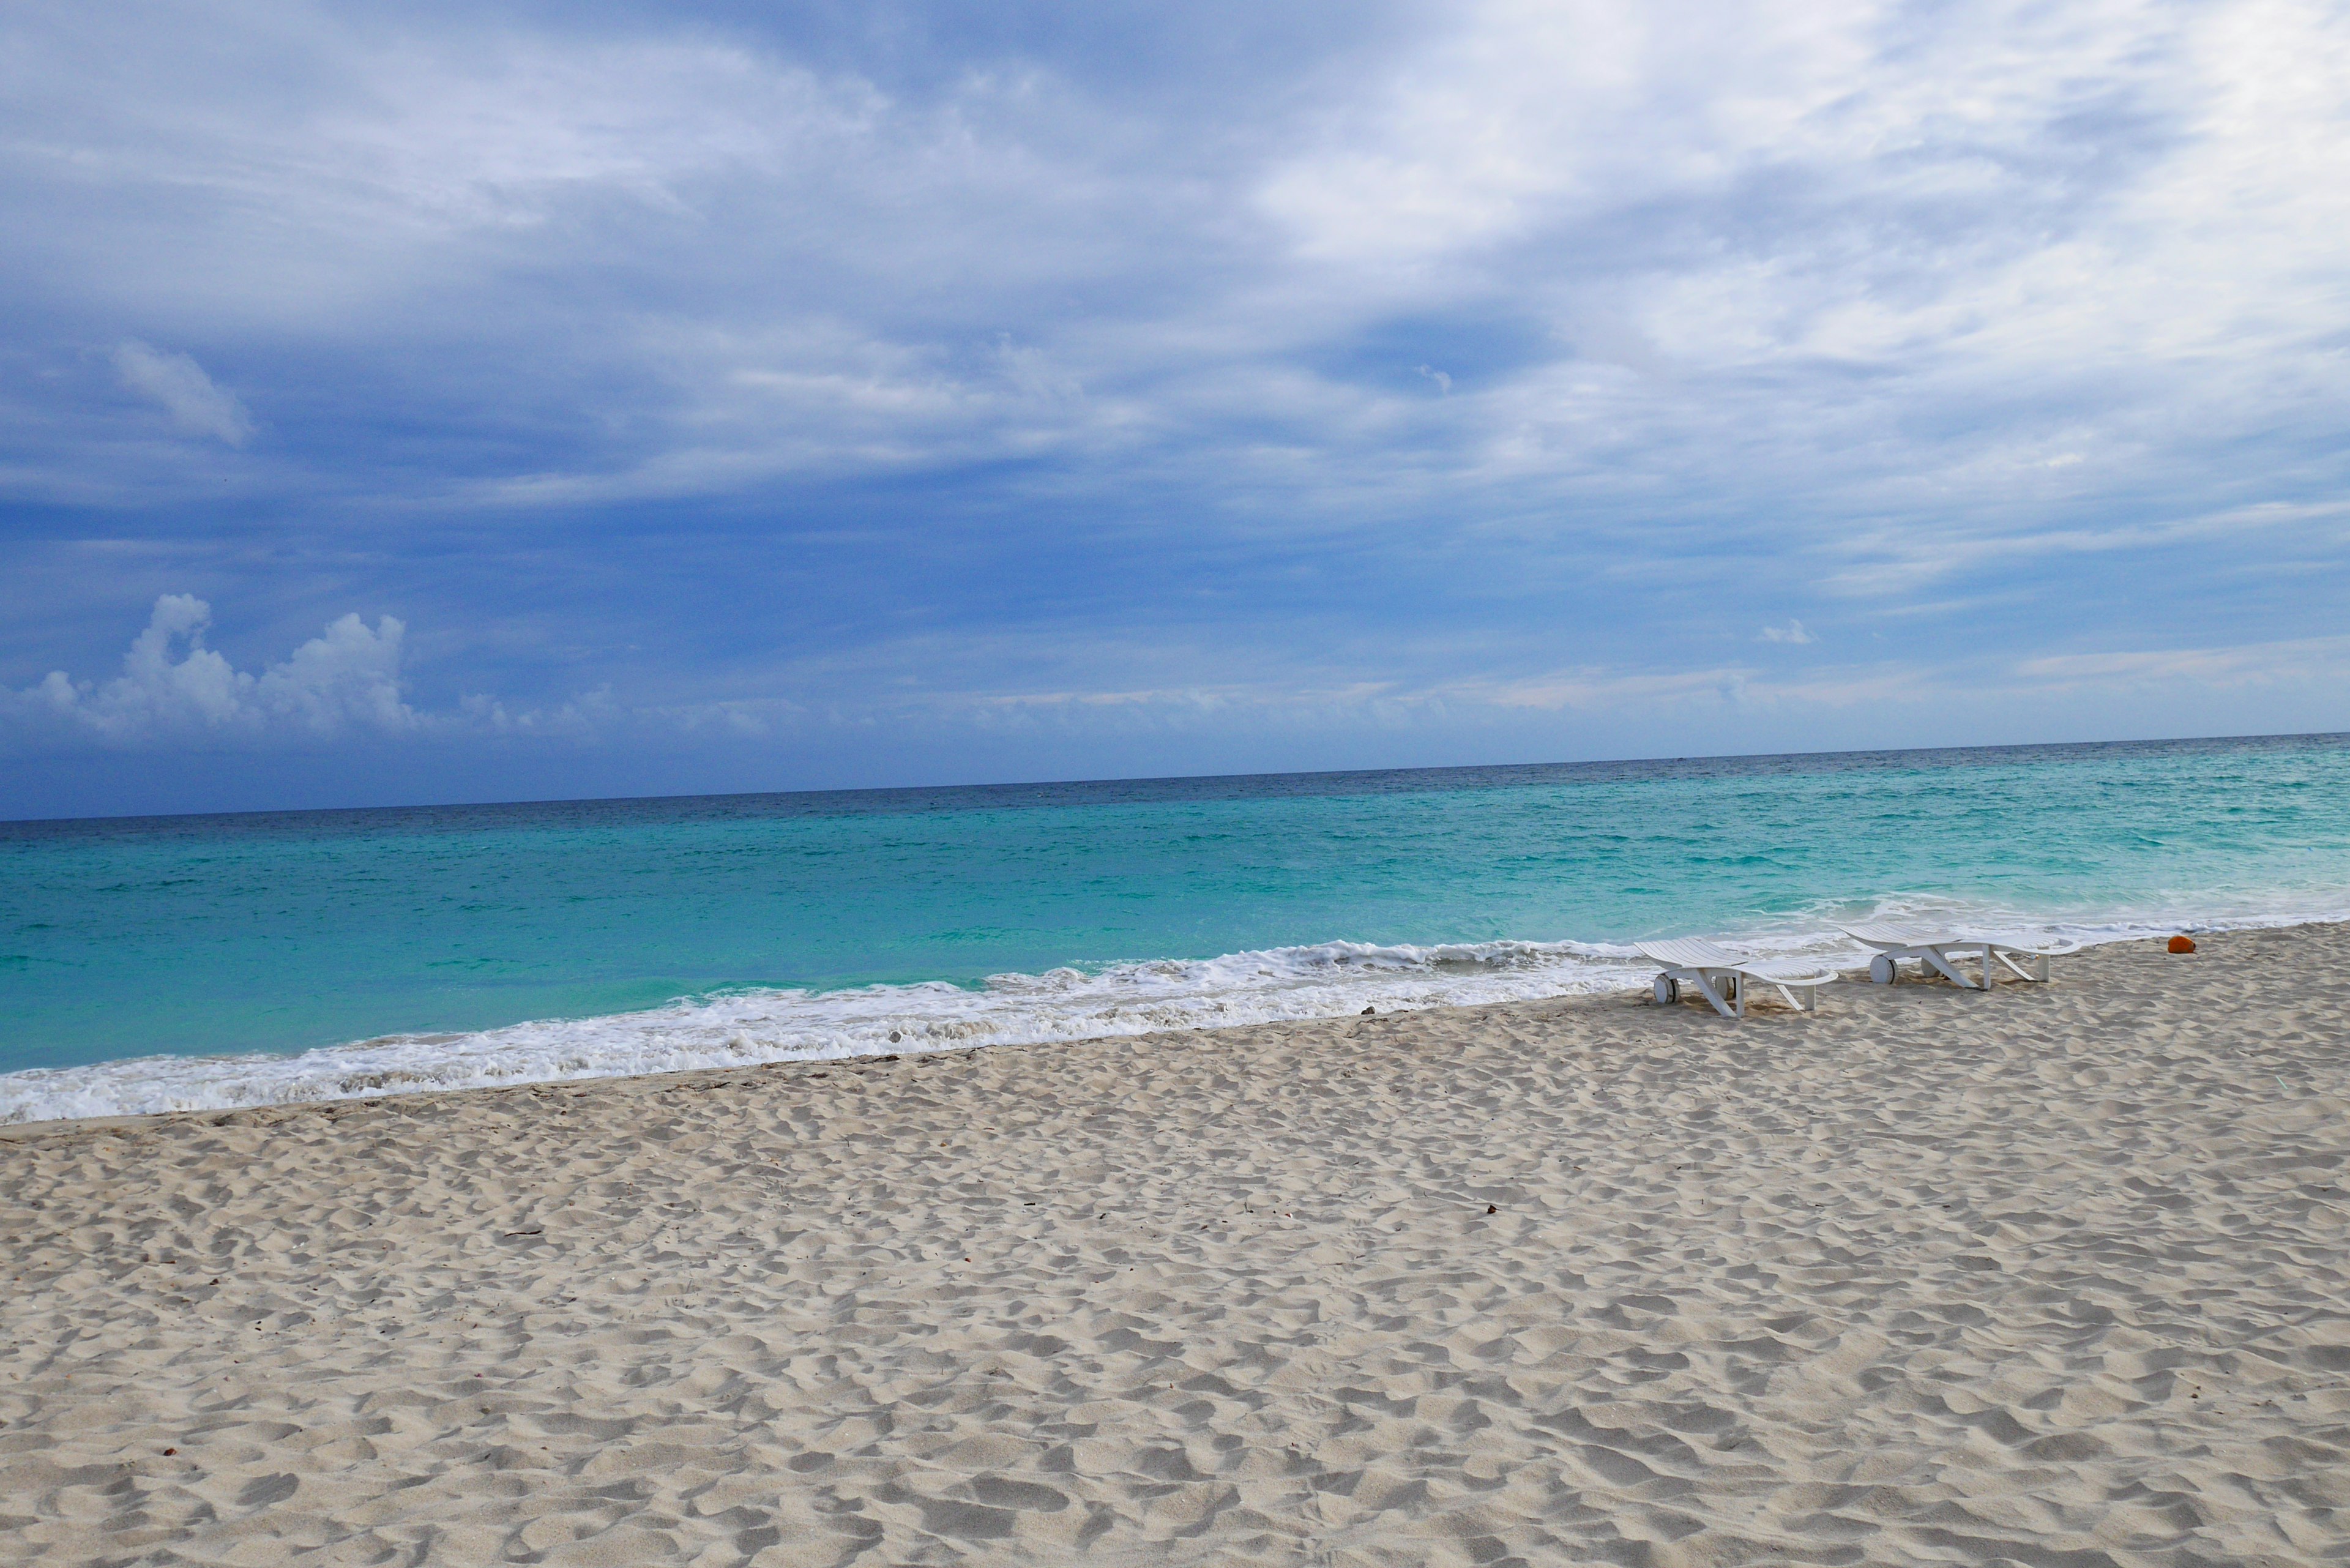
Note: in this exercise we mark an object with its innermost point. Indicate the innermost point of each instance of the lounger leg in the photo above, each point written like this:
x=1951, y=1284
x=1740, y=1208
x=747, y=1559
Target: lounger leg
x=1706, y=987
x=2038, y=971
x=1934, y=955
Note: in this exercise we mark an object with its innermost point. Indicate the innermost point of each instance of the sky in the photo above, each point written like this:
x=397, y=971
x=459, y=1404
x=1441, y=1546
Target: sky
x=431, y=402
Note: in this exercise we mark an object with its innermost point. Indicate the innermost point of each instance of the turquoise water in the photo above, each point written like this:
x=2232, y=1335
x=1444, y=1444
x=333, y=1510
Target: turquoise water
x=470, y=944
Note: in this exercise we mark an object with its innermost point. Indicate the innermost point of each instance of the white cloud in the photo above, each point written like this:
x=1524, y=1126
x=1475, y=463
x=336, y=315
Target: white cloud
x=174, y=688
x=1600, y=690
x=2125, y=208
x=1965, y=201
x=583, y=717
x=2298, y=661
x=1792, y=632
x=180, y=385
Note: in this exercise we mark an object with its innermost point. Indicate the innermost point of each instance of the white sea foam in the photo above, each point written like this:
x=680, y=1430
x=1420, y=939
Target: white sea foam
x=751, y=1027
x=744, y=1028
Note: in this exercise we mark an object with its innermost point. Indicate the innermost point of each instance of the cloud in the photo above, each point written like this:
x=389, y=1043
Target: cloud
x=2298, y=661
x=1864, y=244
x=1408, y=348
x=180, y=385
x=1599, y=690
x=173, y=688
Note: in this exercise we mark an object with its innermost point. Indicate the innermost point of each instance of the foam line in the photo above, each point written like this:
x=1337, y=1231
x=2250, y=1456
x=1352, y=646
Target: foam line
x=1327, y=979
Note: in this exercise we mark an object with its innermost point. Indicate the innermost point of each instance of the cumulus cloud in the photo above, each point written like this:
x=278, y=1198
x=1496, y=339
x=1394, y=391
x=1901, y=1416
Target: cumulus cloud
x=173, y=688
x=1792, y=632
x=179, y=384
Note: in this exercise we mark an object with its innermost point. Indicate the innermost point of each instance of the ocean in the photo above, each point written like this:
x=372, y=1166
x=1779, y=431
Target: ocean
x=164, y=963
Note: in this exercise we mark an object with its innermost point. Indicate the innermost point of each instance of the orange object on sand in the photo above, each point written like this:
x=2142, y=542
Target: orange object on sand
x=2182, y=944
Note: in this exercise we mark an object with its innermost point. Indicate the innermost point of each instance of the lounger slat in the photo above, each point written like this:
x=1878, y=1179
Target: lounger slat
x=1691, y=952
x=1891, y=933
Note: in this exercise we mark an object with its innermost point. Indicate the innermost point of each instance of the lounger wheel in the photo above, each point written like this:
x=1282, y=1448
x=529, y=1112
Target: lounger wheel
x=1881, y=969
x=1668, y=991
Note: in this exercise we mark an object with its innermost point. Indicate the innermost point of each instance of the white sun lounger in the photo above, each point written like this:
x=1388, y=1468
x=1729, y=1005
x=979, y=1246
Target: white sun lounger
x=1722, y=977
x=1938, y=948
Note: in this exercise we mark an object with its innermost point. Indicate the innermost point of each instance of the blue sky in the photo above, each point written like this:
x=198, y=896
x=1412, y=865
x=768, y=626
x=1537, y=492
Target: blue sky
x=436, y=402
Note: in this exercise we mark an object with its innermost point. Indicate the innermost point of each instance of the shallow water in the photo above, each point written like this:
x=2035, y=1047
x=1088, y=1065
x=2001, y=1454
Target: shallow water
x=161, y=962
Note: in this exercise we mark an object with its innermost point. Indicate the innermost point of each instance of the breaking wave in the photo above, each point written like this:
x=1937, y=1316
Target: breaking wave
x=750, y=1027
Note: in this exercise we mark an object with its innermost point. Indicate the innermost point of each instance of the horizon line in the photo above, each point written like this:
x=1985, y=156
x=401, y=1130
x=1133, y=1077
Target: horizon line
x=127, y=817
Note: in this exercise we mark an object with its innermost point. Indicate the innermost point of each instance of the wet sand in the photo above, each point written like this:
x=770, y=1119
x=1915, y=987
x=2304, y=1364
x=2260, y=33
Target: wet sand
x=2051, y=1275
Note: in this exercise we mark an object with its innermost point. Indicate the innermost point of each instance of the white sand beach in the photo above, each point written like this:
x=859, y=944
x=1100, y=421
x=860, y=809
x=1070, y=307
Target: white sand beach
x=2053, y=1275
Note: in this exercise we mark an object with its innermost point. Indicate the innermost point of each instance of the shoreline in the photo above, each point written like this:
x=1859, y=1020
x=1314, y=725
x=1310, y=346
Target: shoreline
x=709, y=1078
x=360, y=1063
x=1926, y=1274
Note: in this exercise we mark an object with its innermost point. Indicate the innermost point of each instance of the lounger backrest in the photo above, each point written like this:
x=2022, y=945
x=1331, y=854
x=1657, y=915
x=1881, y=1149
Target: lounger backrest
x=1888, y=932
x=1690, y=952
x=1891, y=933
